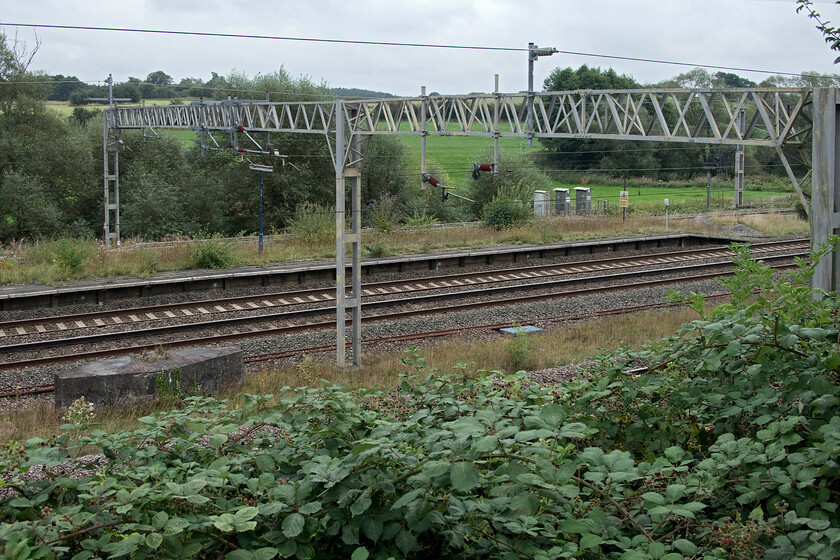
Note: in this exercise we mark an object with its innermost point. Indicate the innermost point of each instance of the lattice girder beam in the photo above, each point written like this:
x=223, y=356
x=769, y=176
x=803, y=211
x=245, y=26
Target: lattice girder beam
x=670, y=115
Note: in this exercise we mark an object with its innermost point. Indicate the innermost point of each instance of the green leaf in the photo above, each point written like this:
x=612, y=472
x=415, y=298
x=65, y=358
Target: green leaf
x=653, y=497
x=360, y=553
x=531, y=435
x=819, y=524
x=265, y=553
x=361, y=504
x=464, y=476
x=408, y=498
x=159, y=520
x=224, y=523
x=246, y=514
x=265, y=463
x=124, y=547
x=293, y=525
x=362, y=447
x=154, y=540
x=310, y=508
x=553, y=414
x=372, y=528
x=656, y=549
x=573, y=430
x=589, y=540
x=572, y=525
x=685, y=546
x=405, y=542
x=272, y=508
x=525, y=504
x=485, y=444
x=568, y=491
x=675, y=491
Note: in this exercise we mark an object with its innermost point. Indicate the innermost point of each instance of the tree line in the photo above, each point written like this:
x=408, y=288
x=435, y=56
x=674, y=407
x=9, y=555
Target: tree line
x=51, y=166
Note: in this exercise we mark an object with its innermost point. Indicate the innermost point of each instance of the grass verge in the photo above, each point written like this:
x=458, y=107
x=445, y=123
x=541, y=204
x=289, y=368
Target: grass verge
x=569, y=344
x=53, y=262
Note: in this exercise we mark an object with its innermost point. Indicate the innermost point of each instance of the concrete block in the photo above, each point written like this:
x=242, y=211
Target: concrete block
x=135, y=379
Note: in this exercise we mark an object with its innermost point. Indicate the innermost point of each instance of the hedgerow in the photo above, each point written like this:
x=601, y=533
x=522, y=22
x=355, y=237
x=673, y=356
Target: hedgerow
x=724, y=446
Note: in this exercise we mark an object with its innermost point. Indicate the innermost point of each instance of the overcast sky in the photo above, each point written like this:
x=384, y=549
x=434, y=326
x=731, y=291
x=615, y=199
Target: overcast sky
x=758, y=34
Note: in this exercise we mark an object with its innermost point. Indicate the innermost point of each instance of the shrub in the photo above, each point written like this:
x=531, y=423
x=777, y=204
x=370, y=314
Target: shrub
x=518, y=352
x=70, y=255
x=800, y=210
x=383, y=213
x=506, y=210
x=213, y=252
x=725, y=447
x=376, y=249
x=420, y=221
x=313, y=223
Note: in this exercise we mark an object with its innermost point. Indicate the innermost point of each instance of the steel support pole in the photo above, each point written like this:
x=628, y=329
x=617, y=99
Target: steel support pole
x=111, y=172
x=708, y=189
x=739, y=161
x=825, y=193
x=423, y=134
x=340, y=239
x=354, y=173
x=530, y=117
x=261, y=213
x=496, y=112
x=353, y=301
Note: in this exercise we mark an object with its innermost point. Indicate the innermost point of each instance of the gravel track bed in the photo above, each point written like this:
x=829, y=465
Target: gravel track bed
x=532, y=313
x=18, y=339
x=210, y=331
x=535, y=313
x=191, y=297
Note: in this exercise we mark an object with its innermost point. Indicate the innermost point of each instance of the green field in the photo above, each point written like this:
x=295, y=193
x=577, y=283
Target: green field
x=456, y=155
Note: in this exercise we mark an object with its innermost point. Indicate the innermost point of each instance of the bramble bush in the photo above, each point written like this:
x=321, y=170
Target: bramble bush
x=724, y=447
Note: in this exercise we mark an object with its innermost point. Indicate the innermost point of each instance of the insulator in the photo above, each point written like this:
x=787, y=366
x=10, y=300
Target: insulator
x=240, y=128
x=431, y=180
x=479, y=167
x=240, y=150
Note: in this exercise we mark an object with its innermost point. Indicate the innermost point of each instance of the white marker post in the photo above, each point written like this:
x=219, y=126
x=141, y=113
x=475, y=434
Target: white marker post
x=666, y=214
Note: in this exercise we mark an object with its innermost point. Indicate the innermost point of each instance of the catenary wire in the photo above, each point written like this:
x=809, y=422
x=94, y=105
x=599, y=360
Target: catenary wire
x=388, y=44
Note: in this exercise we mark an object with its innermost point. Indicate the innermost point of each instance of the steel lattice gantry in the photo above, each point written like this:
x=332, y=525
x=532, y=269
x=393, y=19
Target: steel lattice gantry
x=778, y=118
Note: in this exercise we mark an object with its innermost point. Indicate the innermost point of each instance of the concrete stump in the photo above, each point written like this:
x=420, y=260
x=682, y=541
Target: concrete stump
x=136, y=379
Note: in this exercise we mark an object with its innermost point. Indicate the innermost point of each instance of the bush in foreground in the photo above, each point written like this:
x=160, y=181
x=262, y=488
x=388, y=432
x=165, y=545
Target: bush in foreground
x=725, y=447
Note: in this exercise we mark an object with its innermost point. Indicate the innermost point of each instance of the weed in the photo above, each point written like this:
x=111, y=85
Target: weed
x=305, y=371
x=69, y=255
x=420, y=221
x=518, y=351
x=376, y=249
x=383, y=214
x=506, y=210
x=213, y=252
x=159, y=353
x=313, y=223
x=168, y=386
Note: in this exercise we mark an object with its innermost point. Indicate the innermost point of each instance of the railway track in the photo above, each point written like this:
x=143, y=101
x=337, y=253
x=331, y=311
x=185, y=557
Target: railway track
x=136, y=318
x=59, y=350
x=42, y=389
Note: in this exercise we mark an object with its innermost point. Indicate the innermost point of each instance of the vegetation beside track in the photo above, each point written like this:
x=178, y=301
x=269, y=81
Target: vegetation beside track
x=52, y=262
x=725, y=447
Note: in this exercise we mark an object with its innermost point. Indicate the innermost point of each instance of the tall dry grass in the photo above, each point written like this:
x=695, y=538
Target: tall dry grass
x=561, y=345
x=773, y=225
x=53, y=262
